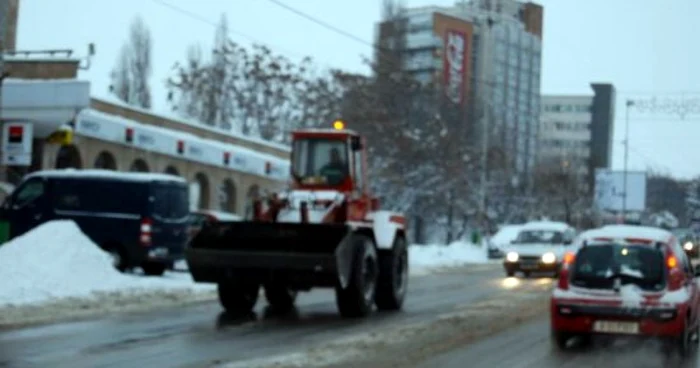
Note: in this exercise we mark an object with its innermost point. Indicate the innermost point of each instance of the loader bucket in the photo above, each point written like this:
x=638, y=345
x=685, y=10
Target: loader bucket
x=271, y=237
x=311, y=254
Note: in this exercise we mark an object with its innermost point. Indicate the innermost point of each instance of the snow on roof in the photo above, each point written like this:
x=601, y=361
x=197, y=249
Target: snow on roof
x=177, y=119
x=627, y=231
x=41, y=58
x=43, y=81
x=546, y=225
x=106, y=174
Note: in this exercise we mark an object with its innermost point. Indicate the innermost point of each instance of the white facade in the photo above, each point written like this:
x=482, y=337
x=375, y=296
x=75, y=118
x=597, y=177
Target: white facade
x=565, y=131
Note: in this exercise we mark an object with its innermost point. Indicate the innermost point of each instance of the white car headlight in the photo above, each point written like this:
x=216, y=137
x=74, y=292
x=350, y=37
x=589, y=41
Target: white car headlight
x=688, y=246
x=549, y=258
x=512, y=257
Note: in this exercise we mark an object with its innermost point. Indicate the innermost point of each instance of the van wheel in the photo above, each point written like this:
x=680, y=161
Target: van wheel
x=154, y=269
x=120, y=260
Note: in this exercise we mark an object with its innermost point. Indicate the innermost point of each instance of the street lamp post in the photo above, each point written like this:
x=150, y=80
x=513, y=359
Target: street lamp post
x=628, y=104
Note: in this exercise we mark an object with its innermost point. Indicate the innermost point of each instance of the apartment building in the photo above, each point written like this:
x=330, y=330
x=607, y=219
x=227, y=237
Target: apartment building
x=576, y=130
x=486, y=55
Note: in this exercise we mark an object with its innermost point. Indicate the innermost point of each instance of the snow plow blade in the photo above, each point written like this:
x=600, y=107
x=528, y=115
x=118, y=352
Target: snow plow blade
x=314, y=254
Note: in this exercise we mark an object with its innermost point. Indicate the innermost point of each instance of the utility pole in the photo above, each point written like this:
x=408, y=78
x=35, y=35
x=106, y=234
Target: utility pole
x=628, y=104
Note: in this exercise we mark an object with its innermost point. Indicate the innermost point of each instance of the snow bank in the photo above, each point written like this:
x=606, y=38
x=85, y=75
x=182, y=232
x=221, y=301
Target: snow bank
x=56, y=260
x=427, y=257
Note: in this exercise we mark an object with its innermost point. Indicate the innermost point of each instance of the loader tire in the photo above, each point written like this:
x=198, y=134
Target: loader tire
x=356, y=300
x=393, y=276
x=280, y=297
x=238, y=298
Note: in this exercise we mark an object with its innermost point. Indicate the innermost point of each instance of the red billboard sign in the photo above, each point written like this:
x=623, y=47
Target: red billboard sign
x=455, y=65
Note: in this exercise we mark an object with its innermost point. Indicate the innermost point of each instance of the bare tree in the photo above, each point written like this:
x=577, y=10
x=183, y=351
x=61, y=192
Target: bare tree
x=562, y=191
x=130, y=76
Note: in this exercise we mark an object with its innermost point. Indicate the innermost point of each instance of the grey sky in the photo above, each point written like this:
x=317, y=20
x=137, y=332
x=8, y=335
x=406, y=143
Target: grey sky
x=643, y=47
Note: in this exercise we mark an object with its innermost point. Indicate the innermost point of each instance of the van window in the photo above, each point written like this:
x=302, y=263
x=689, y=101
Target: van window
x=99, y=196
x=598, y=266
x=31, y=190
x=170, y=202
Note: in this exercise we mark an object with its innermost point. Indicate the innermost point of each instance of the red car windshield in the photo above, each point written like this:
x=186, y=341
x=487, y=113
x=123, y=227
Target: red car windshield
x=598, y=266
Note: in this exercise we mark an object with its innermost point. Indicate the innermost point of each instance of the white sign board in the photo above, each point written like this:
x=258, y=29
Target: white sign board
x=17, y=140
x=609, y=190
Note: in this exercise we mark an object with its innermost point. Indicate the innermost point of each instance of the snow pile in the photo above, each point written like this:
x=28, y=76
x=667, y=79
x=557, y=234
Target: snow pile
x=505, y=235
x=56, y=260
x=426, y=257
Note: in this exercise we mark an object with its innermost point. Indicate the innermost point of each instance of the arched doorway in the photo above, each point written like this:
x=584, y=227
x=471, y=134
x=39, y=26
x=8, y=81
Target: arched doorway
x=253, y=194
x=105, y=160
x=227, y=196
x=172, y=170
x=139, y=165
x=201, y=186
x=68, y=157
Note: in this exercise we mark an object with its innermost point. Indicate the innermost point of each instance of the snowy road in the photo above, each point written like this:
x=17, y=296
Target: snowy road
x=528, y=346
x=199, y=336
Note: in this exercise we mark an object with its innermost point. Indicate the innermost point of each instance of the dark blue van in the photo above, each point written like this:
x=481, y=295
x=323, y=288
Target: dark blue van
x=142, y=219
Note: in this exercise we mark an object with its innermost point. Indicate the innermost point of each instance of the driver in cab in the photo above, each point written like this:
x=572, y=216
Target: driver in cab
x=336, y=169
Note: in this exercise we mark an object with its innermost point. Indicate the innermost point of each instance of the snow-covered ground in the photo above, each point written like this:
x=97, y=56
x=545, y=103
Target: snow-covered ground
x=428, y=258
x=55, y=267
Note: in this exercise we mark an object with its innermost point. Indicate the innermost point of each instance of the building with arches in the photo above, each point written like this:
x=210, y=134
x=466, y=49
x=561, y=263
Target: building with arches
x=226, y=170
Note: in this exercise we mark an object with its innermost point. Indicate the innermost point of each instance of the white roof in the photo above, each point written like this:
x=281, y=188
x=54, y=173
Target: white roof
x=106, y=174
x=627, y=231
x=546, y=225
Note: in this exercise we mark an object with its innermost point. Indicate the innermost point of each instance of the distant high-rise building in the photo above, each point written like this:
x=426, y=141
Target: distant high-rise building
x=486, y=55
x=577, y=130
x=9, y=10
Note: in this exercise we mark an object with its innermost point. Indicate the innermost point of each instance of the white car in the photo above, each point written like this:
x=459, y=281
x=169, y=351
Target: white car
x=539, y=247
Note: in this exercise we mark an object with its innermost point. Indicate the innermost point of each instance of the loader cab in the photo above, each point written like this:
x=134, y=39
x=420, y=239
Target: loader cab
x=328, y=159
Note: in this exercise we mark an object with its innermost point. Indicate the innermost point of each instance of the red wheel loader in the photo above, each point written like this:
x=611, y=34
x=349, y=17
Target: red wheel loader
x=326, y=230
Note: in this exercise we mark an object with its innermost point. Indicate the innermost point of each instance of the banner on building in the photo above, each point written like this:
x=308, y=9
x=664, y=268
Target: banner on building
x=16, y=146
x=455, y=65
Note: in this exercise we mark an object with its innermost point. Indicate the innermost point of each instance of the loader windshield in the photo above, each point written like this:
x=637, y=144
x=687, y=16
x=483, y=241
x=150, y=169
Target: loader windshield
x=320, y=161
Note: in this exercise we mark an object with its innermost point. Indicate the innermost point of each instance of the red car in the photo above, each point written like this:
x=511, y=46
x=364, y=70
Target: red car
x=627, y=280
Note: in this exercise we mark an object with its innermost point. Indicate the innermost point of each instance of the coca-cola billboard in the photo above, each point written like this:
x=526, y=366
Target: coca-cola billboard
x=455, y=65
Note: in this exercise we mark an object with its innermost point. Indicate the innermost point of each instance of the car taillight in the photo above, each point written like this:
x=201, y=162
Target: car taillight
x=563, y=282
x=146, y=227
x=671, y=262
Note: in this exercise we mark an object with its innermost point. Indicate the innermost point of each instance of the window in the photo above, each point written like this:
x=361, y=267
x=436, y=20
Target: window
x=358, y=163
x=599, y=266
x=170, y=202
x=320, y=161
x=89, y=196
x=30, y=191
